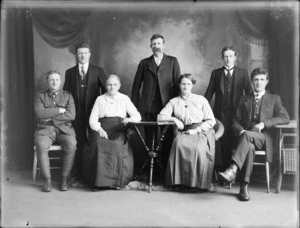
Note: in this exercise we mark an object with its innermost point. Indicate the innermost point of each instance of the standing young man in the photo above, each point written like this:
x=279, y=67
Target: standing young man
x=228, y=84
x=85, y=82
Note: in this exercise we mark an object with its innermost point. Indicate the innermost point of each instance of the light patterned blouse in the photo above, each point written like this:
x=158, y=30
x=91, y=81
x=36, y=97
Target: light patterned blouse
x=106, y=106
x=194, y=109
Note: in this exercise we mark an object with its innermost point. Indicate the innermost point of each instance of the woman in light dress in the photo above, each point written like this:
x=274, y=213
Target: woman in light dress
x=191, y=161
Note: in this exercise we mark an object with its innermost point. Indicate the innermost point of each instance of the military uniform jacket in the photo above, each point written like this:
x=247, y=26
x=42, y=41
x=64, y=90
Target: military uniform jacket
x=46, y=108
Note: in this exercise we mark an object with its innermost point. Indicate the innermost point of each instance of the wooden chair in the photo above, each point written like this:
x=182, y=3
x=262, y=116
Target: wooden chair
x=266, y=164
x=35, y=167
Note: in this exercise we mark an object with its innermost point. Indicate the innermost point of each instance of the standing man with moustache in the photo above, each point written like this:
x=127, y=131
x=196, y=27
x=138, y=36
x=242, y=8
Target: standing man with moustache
x=85, y=82
x=228, y=84
x=155, y=83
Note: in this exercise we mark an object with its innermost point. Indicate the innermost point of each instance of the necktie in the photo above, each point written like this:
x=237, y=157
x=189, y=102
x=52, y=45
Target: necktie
x=228, y=72
x=82, y=72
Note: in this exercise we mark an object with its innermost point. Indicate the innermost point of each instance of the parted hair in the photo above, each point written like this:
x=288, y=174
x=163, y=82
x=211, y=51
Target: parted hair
x=188, y=76
x=259, y=70
x=156, y=36
x=226, y=48
x=83, y=45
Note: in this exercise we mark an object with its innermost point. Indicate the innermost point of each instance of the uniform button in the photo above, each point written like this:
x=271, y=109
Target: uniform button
x=54, y=102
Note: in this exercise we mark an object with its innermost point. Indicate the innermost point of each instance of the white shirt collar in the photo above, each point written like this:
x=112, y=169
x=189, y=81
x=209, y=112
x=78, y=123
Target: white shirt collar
x=227, y=68
x=158, y=59
x=85, y=66
x=259, y=95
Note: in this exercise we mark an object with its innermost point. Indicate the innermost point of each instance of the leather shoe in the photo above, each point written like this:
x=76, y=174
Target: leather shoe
x=244, y=193
x=228, y=175
x=65, y=184
x=47, y=186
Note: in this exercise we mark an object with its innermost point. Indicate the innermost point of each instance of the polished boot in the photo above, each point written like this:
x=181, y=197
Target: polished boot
x=244, y=193
x=47, y=186
x=229, y=174
x=65, y=184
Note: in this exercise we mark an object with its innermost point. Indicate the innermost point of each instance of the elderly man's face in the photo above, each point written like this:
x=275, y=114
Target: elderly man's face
x=157, y=46
x=54, y=82
x=83, y=55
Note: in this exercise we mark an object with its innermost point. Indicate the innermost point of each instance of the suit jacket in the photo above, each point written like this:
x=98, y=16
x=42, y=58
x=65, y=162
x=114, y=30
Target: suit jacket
x=95, y=86
x=145, y=77
x=241, y=86
x=46, y=108
x=271, y=113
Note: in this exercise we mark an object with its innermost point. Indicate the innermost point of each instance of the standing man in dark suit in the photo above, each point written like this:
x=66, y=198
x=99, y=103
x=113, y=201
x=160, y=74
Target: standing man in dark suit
x=54, y=110
x=155, y=83
x=228, y=83
x=253, y=124
x=85, y=82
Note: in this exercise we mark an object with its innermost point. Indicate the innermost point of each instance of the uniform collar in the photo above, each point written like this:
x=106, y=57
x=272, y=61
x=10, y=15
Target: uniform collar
x=53, y=94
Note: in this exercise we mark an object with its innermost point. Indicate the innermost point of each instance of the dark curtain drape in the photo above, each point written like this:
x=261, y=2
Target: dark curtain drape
x=17, y=88
x=61, y=28
x=275, y=27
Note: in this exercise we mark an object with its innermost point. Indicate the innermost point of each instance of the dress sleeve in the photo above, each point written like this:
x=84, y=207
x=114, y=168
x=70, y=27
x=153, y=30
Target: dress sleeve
x=166, y=112
x=132, y=111
x=94, y=117
x=208, y=117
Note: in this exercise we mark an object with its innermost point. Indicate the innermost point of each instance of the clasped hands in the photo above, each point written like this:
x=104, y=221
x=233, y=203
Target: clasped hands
x=180, y=126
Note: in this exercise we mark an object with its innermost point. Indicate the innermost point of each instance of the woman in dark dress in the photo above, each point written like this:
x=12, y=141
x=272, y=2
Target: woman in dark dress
x=108, y=158
x=191, y=161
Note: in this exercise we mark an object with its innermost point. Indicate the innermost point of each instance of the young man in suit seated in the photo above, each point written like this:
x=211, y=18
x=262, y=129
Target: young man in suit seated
x=253, y=123
x=54, y=110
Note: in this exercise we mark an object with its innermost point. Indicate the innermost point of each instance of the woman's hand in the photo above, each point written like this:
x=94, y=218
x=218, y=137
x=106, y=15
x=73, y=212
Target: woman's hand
x=191, y=132
x=102, y=133
x=178, y=123
x=125, y=121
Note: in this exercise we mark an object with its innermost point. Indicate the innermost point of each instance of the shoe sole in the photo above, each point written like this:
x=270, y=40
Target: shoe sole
x=224, y=178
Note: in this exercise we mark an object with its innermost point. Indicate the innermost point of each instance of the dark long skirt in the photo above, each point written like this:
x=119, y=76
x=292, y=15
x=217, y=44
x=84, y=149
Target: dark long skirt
x=108, y=162
x=191, y=160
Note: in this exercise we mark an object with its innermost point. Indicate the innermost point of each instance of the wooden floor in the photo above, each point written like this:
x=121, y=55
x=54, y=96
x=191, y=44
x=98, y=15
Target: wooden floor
x=24, y=205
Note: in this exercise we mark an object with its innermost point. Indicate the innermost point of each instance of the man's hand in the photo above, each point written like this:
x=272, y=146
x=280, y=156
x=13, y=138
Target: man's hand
x=62, y=110
x=102, y=133
x=258, y=127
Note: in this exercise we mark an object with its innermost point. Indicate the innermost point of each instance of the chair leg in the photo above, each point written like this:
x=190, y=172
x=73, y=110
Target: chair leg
x=34, y=166
x=268, y=176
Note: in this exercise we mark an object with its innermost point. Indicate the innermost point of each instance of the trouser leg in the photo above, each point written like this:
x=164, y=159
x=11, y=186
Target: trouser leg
x=244, y=153
x=68, y=144
x=43, y=144
x=226, y=142
x=81, y=136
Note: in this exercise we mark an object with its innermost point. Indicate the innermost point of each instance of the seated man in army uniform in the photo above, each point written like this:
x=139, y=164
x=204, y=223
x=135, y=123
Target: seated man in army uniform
x=54, y=110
